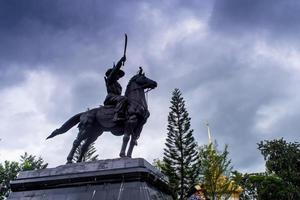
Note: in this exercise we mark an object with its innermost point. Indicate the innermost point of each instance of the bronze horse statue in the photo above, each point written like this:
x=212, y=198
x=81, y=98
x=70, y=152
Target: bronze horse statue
x=94, y=122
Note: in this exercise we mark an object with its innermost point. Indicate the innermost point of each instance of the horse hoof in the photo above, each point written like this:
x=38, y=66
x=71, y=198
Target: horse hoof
x=69, y=162
x=122, y=155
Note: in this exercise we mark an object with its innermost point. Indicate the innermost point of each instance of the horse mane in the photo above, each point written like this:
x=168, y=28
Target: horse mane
x=130, y=82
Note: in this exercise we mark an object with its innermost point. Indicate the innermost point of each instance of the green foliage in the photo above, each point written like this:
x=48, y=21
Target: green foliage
x=30, y=162
x=281, y=180
x=282, y=158
x=249, y=188
x=89, y=154
x=264, y=187
x=269, y=187
x=180, y=154
x=283, y=162
x=9, y=171
x=215, y=172
x=159, y=164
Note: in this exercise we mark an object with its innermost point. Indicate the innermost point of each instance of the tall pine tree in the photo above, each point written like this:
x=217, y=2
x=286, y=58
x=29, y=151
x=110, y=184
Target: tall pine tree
x=89, y=154
x=180, y=154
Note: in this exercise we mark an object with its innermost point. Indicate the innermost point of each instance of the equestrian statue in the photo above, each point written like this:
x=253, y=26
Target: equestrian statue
x=121, y=115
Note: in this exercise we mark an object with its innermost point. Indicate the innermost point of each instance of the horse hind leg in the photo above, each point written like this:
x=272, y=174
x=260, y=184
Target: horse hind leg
x=126, y=138
x=76, y=143
x=86, y=145
x=128, y=131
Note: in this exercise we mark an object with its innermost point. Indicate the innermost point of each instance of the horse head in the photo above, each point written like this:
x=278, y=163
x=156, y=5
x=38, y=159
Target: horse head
x=140, y=81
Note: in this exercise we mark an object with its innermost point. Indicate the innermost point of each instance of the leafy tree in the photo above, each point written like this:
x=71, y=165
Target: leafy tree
x=180, y=153
x=30, y=162
x=281, y=179
x=216, y=171
x=282, y=158
x=264, y=187
x=283, y=162
x=89, y=154
x=9, y=171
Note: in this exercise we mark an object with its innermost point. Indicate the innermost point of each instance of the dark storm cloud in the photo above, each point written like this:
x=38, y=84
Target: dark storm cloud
x=237, y=100
x=39, y=32
x=62, y=37
x=276, y=23
x=71, y=38
x=276, y=18
x=233, y=86
x=19, y=17
x=236, y=81
x=35, y=31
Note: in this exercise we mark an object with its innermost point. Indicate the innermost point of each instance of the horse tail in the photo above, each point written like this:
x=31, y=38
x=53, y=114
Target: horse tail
x=66, y=126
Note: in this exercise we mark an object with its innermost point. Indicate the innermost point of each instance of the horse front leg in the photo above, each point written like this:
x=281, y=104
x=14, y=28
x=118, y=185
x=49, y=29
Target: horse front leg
x=128, y=130
x=124, y=144
x=134, y=138
x=132, y=143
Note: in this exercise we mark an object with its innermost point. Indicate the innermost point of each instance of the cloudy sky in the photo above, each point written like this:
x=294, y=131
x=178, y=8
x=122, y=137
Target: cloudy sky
x=236, y=62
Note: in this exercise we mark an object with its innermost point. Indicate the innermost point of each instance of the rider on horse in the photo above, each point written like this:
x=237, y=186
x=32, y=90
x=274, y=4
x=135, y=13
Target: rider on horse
x=114, y=90
x=113, y=97
x=94, y=122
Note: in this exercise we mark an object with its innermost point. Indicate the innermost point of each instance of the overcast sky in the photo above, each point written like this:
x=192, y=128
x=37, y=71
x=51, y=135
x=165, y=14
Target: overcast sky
x=237, y=63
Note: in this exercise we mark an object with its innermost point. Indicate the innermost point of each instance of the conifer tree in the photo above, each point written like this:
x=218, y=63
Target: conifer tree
x=180, y=153
x=89, y=154
x=31, y=162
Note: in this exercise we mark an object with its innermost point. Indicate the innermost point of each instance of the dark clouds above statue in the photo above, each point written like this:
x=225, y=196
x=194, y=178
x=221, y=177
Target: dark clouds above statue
x=274, y=18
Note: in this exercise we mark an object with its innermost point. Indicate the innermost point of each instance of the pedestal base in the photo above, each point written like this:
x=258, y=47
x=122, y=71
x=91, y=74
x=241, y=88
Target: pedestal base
x=114, y=179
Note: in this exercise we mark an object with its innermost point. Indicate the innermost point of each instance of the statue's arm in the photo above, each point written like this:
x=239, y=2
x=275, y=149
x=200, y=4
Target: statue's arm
x=116, y=68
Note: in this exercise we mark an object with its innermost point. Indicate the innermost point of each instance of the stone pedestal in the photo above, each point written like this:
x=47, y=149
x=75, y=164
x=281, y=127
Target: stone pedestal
x=114, y=179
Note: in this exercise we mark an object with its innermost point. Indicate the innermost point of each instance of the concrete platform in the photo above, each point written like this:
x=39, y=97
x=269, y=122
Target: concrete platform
x=112, y=179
